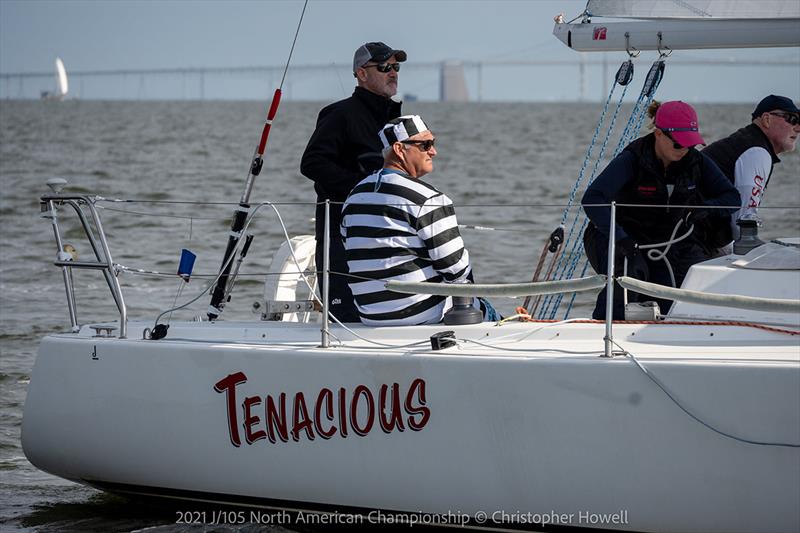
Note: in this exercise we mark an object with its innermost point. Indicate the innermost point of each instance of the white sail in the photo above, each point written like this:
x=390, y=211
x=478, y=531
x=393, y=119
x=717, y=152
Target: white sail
x=723, y=9
x=683, y=25
x=61, y=76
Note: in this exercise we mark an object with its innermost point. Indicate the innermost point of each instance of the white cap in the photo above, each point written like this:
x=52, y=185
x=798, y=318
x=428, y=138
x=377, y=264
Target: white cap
x=401, y=129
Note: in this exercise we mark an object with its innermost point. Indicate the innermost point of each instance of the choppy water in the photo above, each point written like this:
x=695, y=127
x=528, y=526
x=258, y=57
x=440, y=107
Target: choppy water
x=492, y=159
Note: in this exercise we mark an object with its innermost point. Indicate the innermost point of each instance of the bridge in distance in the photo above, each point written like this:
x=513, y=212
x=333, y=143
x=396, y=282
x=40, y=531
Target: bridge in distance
x=454, y=80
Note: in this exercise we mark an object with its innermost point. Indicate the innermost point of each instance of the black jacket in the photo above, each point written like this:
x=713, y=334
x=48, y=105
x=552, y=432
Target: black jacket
x=636, y=176
x=726, y=152
x=345, y=146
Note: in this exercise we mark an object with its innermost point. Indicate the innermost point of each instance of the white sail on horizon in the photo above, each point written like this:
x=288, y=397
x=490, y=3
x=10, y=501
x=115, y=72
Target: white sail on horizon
x=61, y=78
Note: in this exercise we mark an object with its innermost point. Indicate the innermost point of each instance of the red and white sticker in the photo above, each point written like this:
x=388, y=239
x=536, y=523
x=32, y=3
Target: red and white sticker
x=599, y=33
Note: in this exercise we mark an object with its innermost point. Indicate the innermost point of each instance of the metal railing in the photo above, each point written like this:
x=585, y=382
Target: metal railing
x=50, y=203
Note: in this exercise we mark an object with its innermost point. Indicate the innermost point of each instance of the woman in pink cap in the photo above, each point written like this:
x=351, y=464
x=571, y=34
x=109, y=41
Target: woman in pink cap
x=663, y=173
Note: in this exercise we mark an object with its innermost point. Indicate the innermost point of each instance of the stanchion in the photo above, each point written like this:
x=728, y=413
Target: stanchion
x=326, y=263
x=612, y=230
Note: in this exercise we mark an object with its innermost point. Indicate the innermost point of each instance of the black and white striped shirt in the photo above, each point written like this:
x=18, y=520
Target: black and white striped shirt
x=399, y=228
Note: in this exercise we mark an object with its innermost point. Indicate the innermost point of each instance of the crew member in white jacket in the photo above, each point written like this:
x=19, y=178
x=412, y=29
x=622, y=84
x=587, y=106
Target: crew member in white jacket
x=748, y=156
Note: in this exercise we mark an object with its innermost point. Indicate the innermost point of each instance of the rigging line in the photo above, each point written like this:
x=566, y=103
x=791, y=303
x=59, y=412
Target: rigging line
x=228, y=261
x=589, y=150
x=459, y=205
x=246, y=225
x=177, y=295
x=525, y=334
x=575, y=294
x=575, y=253
x=157, y=274
x=525, y=350
x=631, y=130
x=339, y=79
x=144, y=214
x=313, y=295
x=487, y=228
x=406, y=204
x=187, y=202
x=291, y=51
x=312, y=292
x=354, y=276
x=653, y=254
x=561, y=265
x=385, y=345
x=655, y=380
x=611, y=127
x=569, y=270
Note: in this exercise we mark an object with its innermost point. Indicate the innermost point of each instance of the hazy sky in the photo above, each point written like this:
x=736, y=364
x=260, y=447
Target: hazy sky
x=104, y=35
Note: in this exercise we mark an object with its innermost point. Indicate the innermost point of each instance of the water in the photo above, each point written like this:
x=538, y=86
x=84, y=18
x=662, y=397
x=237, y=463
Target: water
x=508, y=155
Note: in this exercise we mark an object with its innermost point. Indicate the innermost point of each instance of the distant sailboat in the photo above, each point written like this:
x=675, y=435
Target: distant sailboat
x=62, y=84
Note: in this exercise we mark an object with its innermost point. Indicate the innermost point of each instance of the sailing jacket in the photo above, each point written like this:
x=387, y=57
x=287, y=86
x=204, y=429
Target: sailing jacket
x=345, y=148
x=747, y=158
x=636, y=176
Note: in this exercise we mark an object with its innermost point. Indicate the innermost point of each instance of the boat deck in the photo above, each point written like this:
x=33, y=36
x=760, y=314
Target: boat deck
x=720, y=342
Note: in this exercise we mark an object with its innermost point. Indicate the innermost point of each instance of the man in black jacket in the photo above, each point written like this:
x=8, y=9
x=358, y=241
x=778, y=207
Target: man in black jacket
x=344, y=149
x=748, y=155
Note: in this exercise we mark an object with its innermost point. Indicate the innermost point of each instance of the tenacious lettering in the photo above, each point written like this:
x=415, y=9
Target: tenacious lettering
x=329, y=413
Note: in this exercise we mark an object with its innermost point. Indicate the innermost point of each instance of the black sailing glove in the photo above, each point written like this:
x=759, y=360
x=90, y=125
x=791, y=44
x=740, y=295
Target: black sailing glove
x=627, y=248
x=695, y=217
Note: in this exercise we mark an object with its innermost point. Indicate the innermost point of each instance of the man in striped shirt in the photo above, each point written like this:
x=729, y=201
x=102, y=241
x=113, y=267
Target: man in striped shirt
x=397, y=227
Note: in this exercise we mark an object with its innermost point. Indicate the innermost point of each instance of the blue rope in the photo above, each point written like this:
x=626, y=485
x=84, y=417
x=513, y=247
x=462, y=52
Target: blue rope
x=567, y=264
x=574, y=294
x=561, y=263
x=588, y=156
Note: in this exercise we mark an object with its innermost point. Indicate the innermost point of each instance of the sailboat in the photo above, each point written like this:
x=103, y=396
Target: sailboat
x=62, y=84
x=690, y=422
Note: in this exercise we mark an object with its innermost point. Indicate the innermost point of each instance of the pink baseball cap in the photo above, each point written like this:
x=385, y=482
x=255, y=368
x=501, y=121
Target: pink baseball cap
x=679, y=119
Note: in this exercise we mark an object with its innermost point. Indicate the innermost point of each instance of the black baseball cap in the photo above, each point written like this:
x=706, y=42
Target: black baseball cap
x=775, y=103
x=377, y=52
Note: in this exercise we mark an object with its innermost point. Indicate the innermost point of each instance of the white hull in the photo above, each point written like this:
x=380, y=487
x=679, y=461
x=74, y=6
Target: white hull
x=679, y=34
x=554, y=429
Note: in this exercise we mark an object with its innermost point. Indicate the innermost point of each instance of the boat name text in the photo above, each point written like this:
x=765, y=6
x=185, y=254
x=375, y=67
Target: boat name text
x=331, y=413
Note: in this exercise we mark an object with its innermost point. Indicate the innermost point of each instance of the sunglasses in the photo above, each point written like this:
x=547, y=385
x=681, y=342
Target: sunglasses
x=675, y=145
x=792, y=119
x=425, y=146
x=384, y=67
